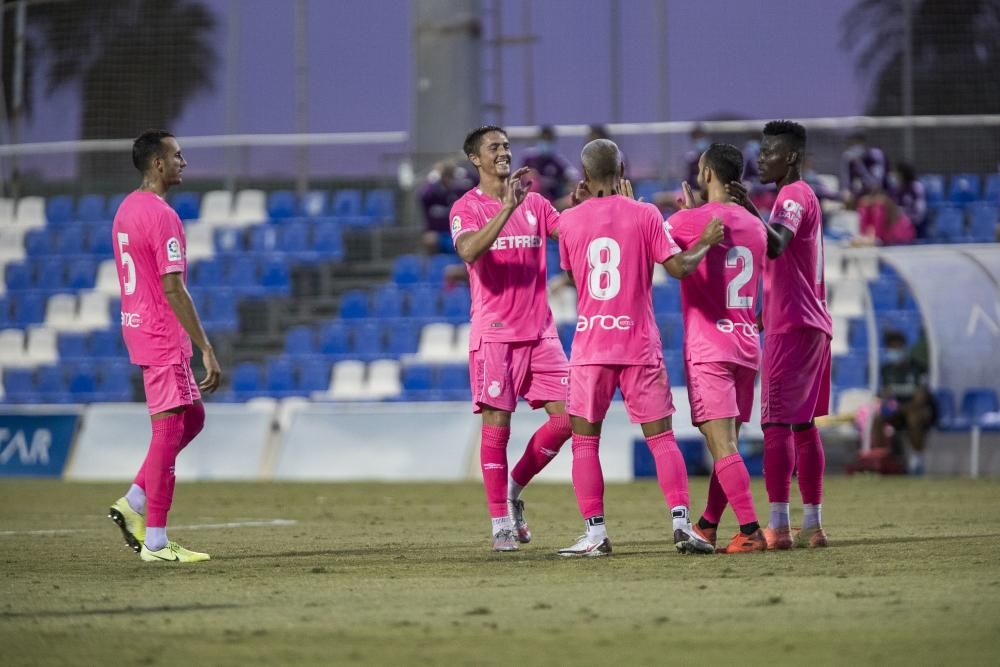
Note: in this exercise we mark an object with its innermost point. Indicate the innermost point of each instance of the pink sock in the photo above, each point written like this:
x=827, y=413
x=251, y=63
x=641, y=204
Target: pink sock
x=588, y=480
x=194, y=421
x=159, y=468
x=493, y=458
x=811, y=464
x=735, y=481
x=716, y=503
x=671, y=472
x=779, y=461
x=542, y=448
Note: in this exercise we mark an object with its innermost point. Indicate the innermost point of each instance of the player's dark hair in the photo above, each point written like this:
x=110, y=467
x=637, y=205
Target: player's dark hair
x=726, y=161
x=789, y=131
x=475, y=138
x=147, y=146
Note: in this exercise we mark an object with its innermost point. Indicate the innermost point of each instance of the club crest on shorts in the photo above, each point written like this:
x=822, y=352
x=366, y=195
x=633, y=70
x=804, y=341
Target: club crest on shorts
x=494, y=389
x=173, y=249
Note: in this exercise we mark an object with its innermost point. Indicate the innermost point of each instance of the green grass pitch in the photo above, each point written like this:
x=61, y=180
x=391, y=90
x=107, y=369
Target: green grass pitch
x=401, y=574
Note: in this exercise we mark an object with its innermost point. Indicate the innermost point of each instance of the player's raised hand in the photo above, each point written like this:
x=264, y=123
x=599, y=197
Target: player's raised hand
x=738, y=192
x=688, y=200
x=714, y=232
x=516, y=190
x=213, y=371
x=625, y=188
x=580, y=193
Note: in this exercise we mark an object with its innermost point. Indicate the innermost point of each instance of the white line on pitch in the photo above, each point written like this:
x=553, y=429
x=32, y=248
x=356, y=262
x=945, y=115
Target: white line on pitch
x=195, y=526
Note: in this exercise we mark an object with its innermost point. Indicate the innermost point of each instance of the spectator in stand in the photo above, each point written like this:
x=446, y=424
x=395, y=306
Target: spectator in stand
x=882, y=222
x=551, y=175
x=751, y=149
x=699, y=144
x=910, y=195
x=864, y=169
x=445, y=184
x=812, y=177
x=905, y=403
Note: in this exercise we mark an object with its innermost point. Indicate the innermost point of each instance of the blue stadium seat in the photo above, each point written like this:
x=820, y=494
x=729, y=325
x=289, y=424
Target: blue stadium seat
x=314, y=204
x=115, y=382
x=99, y=241
x=246, y=381
x=70, y=240
x=115, y=310
x=241, y=273
x=408, y=270
x=49, y=380
x=455, y=303
x=264, y=238
x=933, y=187
x=18, y=276
x=228, y=240
x=27, y=307
x=402, y=336
x=38, y=242
x=280, y=377
x=566, y=332
x=83, y=381
x=947, y=418
x=387, y=302
x=346, y=204
x=281, y=205
x=225, y=313
x=850, y=370
x=422, y=301
x=354, y=304
x=81, y=272
x=294, y=239
x=313, y=375
x=368, y=340
x=91, y=208
x=885, y=292
x=114, y=201
x=991, y=191
x=186, y=204
x=438, y=265
x=964, y=188
x=674, y=361
x=906, y=322
x=328, y=240
x=299, y=341
x=666, y=298
x=50, y=273
x=857, y=334
x=978, y=402
x=671, y=330
x=59, y=210
x=206, y=273
x=454, y=378
x=19, y=385
x=6, y=321
x=334, y=339
x=380, y=205
x=106, y=344
x=274, y=275
x=983, y=219
x=949, y=224
x=72, y=346
x=417, y=378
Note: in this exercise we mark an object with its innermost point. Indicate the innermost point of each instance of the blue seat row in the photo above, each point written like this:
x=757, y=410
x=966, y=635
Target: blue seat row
x=963, y=188
x=70, y=382
x=428, y=382
x=423, y=301
x=305, y=241
x=355, y=339
x=950, y=224
x=414, y=269
x=52, y=274
x=73, y=239
x=976, y=403
x=281, y=377
x=62, y=210
x=348, y=205
x=246, y=274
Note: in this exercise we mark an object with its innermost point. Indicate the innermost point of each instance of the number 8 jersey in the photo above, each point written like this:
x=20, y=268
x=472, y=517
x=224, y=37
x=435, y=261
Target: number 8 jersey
x=610, y=245
x=149, y=242
x=719, y=298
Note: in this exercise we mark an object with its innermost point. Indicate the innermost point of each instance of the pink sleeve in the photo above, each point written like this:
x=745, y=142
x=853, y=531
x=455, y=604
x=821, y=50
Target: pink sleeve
x=463, y=219
x=663, y=245
x=564, y=254
x=788, y=210
x=678, y=230
x=549, y=215
x=166, y=240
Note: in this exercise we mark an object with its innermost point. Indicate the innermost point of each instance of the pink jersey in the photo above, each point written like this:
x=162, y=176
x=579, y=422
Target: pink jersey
x=508, y=281
x=149, y=243
x=794, y=288
x=610, y=244
x=719, y=298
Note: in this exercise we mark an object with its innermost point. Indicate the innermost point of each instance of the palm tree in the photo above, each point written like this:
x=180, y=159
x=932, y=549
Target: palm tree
x=956, y=54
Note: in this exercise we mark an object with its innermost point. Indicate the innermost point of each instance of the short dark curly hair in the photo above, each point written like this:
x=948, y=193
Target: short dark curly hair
x=791, y=131
x=474, y=139
x=146, y=146
x=726, y=161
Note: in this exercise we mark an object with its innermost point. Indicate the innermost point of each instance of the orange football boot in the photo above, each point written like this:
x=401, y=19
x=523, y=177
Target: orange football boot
x=707, y=534
x=778, y=538
x=745, y=543
x=810, y=537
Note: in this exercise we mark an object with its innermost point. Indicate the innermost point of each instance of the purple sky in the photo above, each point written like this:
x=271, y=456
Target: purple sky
x=724, y=59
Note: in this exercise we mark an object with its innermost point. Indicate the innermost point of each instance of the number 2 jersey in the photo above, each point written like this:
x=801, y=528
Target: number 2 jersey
x=149, y=243
x=610, y=245
x=719, y=298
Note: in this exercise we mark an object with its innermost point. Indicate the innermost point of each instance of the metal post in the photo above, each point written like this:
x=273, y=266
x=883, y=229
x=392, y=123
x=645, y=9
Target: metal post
x=974, y=451
x=663, y=83
x=615, y=59
x=497, y=45
x=529, y=64
x=17, y=106
x=301, y=95
x=4, y=121
x=907, y=82
x=232, y=92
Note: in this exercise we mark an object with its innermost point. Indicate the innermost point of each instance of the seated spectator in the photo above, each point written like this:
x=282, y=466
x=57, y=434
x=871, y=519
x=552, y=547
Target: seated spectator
x=905, y=404
x=699, y=144
x=552, y=176
x=864, y=169
x=882, y=222
x=910, y=195
x=446, y=183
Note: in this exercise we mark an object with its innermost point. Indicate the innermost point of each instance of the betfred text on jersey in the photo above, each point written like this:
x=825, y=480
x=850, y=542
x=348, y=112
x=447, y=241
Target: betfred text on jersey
x=605, y=322
x=512, y=242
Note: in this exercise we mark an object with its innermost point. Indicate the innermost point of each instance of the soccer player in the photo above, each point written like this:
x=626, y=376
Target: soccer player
x=499, y=230
x=795, y=375
x=158, y=323
x=721, y=340
x=609, y=245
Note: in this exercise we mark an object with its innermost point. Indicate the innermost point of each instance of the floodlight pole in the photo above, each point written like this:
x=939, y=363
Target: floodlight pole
x=907, y=82
x=232, y=92
x=301, y=93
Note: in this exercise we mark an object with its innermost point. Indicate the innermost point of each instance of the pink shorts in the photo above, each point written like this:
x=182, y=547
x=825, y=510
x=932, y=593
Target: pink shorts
x=719, y=390
x=646, y=391
x=795, y=377
x=534, y=370
x=169, y=387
